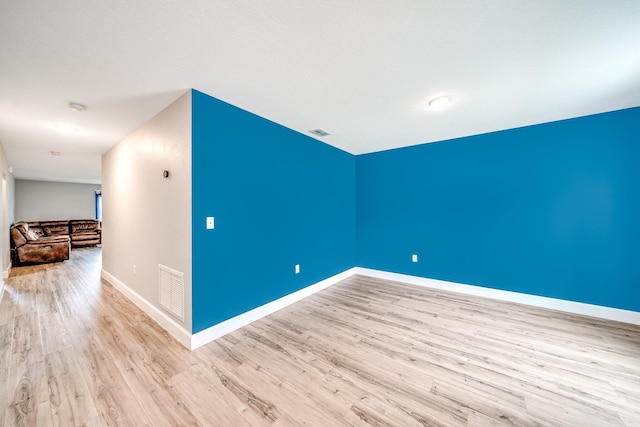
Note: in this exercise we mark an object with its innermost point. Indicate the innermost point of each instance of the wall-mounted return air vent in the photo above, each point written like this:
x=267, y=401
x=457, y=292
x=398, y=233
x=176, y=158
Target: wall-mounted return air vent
x=172, y=291
x=319, y=132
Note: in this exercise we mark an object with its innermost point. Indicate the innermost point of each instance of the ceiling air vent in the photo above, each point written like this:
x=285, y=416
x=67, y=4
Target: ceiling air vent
x=319, y=132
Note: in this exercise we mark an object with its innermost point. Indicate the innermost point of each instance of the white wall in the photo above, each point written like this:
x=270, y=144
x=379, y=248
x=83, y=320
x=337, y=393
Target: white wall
x=7, y=210
x=146, y=217
x=48, y=201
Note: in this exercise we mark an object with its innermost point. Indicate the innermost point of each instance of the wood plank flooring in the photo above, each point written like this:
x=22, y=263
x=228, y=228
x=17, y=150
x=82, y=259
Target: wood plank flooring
x=365, y=352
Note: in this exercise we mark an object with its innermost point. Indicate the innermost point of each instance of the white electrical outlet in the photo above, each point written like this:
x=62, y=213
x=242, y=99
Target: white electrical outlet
x=210, y=223
x=414, y=258
x=297, y=268
x=135, y=270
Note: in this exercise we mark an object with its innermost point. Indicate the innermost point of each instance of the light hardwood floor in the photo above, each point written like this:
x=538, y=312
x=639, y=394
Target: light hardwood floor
x=74, y=351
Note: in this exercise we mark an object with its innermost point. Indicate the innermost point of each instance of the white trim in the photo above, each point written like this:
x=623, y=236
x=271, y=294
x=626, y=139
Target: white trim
x=7, y=272
x=5, y=276
x=193, y=341
x=216, y=331
x=162, y=319
x=602, y=312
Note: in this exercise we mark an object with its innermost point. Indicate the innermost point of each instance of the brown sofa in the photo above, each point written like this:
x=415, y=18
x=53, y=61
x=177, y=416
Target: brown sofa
x=85, y=232
x=40, y=235
x=32, y=246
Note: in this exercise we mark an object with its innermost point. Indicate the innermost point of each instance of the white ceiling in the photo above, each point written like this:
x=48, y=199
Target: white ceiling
x=360, y=69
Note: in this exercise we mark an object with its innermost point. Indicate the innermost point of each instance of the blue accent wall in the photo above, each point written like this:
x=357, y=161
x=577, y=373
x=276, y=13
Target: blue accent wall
x=279, y=198
x=550, y=210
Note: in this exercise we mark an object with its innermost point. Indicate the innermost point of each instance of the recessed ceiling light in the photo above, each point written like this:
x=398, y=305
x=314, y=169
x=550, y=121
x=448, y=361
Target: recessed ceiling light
x=66, y=129
x=76, y=106
x=439, y=102
x=55, y=153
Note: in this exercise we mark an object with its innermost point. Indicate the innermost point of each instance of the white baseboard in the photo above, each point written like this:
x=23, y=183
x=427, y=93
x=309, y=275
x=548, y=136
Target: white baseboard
x=602, y=312
x=216, y=331
x=162, y=319
x=193, y=341
x=5, y=273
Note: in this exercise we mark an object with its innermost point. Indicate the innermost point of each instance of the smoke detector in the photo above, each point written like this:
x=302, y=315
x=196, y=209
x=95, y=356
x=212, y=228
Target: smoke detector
x=76, y=106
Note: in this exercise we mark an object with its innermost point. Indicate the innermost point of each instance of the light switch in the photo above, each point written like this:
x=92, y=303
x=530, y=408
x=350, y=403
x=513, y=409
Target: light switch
x=297, y=268
x=210, y=223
